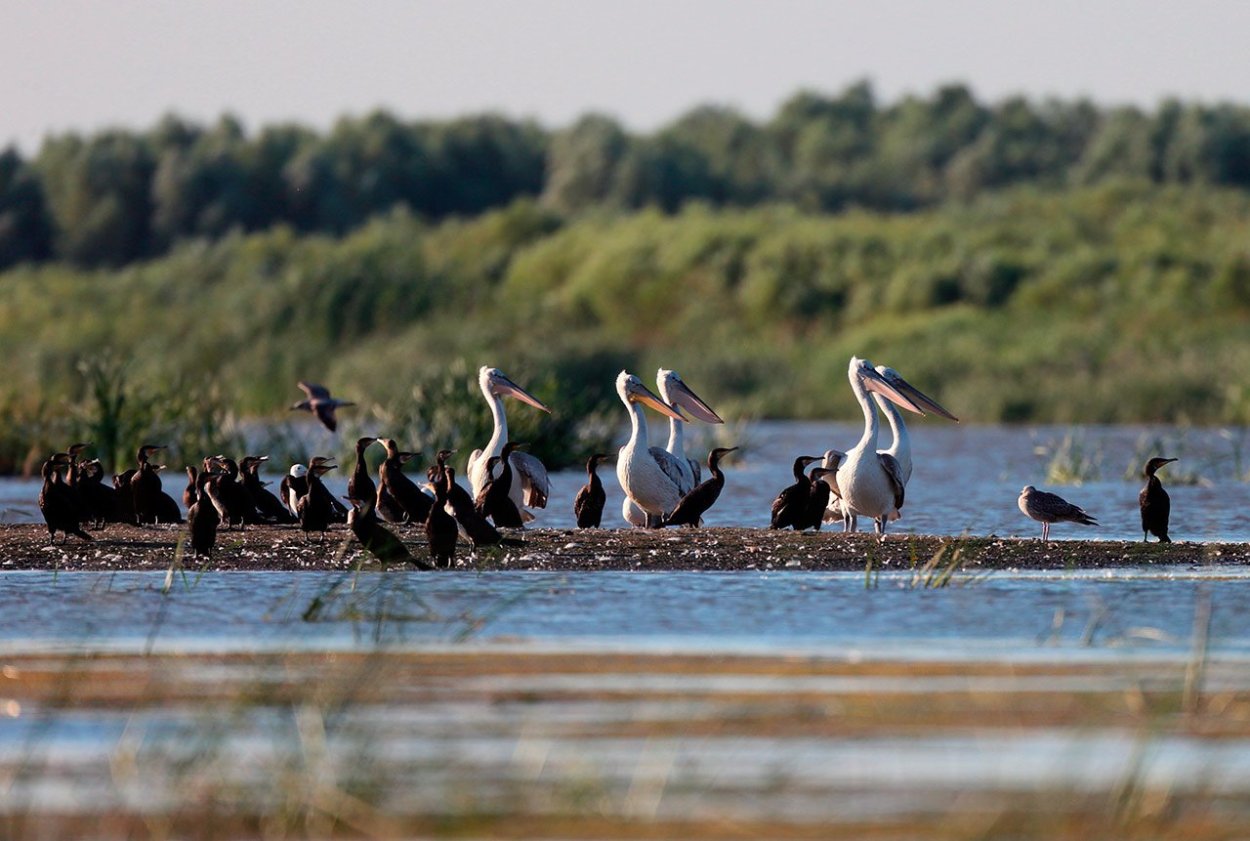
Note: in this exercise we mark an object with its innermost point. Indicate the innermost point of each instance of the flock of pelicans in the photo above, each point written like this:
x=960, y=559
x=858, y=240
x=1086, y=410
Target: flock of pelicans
x=662, y=486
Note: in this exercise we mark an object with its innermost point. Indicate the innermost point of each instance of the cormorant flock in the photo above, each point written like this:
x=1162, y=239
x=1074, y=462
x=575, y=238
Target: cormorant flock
x=661, y=485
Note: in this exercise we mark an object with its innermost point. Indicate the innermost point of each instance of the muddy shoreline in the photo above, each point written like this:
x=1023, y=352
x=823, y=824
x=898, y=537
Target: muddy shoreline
x=26, y=547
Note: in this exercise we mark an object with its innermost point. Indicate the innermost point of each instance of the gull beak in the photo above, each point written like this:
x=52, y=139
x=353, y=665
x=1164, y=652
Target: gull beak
x=645, y=396
x=685, y=398
x=917, y=397
x=508, y=388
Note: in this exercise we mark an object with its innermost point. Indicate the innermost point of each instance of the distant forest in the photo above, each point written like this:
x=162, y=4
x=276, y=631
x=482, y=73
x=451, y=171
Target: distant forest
x=112, y=198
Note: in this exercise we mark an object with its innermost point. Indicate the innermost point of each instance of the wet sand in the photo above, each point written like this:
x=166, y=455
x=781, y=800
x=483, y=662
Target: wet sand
x=121, y=547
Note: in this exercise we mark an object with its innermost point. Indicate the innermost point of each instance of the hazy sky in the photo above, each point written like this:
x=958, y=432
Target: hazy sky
x=85, y=64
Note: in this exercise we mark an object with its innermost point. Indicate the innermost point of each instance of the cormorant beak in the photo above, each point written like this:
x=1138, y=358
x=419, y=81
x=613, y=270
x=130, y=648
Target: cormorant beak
x=507, y=388
x=875, y=382
x=685, y=398
x=925, y=402
x=642, y=394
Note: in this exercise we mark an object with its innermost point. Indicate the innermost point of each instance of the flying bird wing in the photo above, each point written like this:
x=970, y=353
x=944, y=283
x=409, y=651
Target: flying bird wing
x=325, y=413
x=314, y=391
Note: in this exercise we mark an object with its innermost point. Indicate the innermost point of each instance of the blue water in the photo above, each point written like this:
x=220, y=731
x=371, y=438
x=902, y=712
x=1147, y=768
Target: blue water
x=1000, y=615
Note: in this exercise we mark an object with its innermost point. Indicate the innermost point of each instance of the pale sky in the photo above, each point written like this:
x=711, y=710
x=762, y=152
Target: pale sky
x=87, y=64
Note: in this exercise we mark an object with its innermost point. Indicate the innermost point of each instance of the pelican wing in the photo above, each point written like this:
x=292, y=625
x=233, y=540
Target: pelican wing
x=534, y=482
x=696, y=469
x=671, y=467
x=894, y=472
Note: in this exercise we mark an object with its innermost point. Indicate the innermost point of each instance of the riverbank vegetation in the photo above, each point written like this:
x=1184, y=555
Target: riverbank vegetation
x=1119, y=303
x=1110, y=285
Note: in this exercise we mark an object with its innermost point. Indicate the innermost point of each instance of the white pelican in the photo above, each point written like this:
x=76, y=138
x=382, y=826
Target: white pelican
x=685, y=472
x=871, y=483
x=900, y=448
x=645, y=483
x=533, y=487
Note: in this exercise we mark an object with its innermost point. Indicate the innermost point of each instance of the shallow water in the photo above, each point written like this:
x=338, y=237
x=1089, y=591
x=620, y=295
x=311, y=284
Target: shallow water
x=966, y=478
x=1003, y=615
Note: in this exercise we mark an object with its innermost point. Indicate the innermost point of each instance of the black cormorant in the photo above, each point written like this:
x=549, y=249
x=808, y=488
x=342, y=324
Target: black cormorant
x=690, y=510
x=790, y=508
x=1154, y=502
x=588, y=505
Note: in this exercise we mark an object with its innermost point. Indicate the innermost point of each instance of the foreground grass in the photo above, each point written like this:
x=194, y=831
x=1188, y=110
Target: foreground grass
x=522, y=744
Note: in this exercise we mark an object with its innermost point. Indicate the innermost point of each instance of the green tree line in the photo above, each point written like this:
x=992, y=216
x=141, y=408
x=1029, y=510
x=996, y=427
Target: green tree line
x=116, y=197
x=1122, y=302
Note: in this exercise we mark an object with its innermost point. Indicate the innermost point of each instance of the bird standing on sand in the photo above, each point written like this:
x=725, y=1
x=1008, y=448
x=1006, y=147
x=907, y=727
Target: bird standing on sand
x=692, y=507
x=1049, y=508
x=495, y=500
x=57, y=501
x=203, y=514
x=591, y=497
x=1154, y=502
x=531, y=485
x=440, y=527
x=378, y=540
x=313, y=508
x=320, y=403
x=790, y=507
x=145, y=485
x=267, y=505
x=403, y=491
x=360, y=485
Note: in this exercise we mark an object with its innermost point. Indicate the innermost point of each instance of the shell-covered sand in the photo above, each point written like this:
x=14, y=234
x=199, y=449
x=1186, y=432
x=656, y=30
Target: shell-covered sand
x=287, y=548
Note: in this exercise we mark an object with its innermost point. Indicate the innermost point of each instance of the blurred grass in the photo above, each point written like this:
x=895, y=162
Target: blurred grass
x=1108, y=304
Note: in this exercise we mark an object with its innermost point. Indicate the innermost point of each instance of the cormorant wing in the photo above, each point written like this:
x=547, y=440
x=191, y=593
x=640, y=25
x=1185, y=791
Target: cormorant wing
x=534, y=482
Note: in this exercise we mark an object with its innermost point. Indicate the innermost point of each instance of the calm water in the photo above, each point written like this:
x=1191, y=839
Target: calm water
x=1039, y=615
x=966, y=478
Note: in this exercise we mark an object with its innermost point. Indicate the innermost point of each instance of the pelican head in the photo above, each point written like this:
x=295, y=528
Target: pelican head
x=861, y=371
x=924, y=401
x=495, y=383
x=676, y=393
x=298, y=471
x=633, y=390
